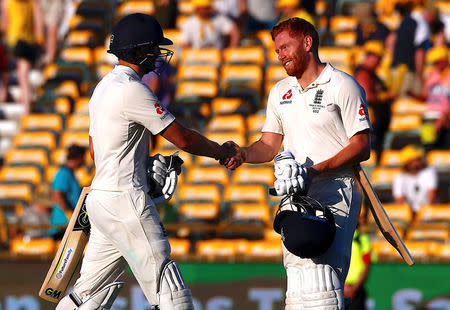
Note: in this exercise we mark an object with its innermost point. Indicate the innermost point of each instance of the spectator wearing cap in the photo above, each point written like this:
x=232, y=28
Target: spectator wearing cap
x=417, y=184
x=378, y=98
x=205, y=28
x=66, y=190
x=291, y=8
x=436, y=93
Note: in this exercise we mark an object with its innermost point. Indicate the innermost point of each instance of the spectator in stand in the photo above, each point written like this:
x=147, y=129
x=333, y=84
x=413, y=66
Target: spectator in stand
x=436, y=93
x=166, y=13
x=417, y=184
x=35, y=215
x=66, y=190
x=206, y=29
x=368, y=28
x=4, y=72
x=291, y=8
x=234, y=9
x=361, y=258
x=261, y=15
x=22, y=23
x=412, y=39
x=378, y=98
x=53, y=12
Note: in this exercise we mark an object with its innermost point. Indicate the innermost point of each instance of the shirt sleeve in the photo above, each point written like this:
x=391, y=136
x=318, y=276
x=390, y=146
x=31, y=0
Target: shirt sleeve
x=273, y=121
x=140, y=105
x=432, y=179
x=397, y=186
x=352, y=102
x=60, y=182
x=224, y=24
x=186, y=31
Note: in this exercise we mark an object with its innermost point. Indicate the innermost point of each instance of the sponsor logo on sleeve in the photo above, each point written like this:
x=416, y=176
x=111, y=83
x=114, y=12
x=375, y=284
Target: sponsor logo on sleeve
x=362, y=112
x=287, y=97
x=159, y=109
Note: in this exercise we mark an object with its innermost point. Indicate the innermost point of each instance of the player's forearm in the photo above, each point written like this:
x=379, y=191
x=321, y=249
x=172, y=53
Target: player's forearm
x=357, y=151
x=197, y=144
x=258, y=153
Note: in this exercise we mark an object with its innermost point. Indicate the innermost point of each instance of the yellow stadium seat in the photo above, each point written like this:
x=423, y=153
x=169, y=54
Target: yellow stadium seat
x=405, y=122
x=42, y=122
x=174, y=35
x=199, y=192
x=223, y=105
x=272, y=57
x=340, y=23
x=50, y=172
x=59, y=157
x=210, y=56
x=384, y=250
x=255, y=175
x=196, y=89
x=217, y=248
x=83, y=176
x=198, y=211
x=50, y=71
x=250, y=75
x=44, y=246
x=222, y=137
x=227, y=123
x=81, y=105
x=384, y=176
x=407, y=105
x=185, y=7
x=249, y=212
x=204, y=161
x=80, y=138
x=197, y=72
x=400, y=214
x=265, y=248
x=268, y=86
x=442, y=252
x=337, y=56
x=434, y=213
x=252, y=138
x=345, y=68
x=245, y=193
x=67, y=88
x=440, y=159
x=83, y=37
x=135, y=6
x=78, y=122
x=102, y=70
x=22, y=192
x=206, y=175
x=275, y=73
x=255, y=122
x=443, y=7
x=244, y=55
x=266, y=39
x=270, y=234
x=35, y=138
x=180, y=20
x=62, y=105
x=29, y=174
x=26, y=156
x=420, y=250
x=179, y=247
x=428, y=232
x=390, y=158
x=77, y=54
x=345, y=38
x=101, y=56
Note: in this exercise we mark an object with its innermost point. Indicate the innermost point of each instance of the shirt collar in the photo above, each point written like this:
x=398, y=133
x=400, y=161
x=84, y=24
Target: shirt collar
x=323, y=78
x=127, y=70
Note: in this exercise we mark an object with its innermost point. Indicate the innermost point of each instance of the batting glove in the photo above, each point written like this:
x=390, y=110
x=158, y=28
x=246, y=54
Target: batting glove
x=290, y=175
x=163, y=176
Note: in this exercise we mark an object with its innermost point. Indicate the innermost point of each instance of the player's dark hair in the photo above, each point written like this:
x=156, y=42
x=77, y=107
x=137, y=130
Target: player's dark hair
x=298, y=27
x=75, y=151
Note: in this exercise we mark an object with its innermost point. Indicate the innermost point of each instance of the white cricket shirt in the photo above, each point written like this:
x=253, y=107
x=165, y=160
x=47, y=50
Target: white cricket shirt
x=318, y=121
x=123, y=111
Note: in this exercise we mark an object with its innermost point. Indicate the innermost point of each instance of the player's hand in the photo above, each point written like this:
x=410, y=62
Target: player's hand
x=290, y=176
x=237, y=158
x=163, y=174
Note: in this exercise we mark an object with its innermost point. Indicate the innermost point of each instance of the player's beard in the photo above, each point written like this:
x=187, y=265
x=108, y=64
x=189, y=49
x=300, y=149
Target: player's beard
x=300, y=63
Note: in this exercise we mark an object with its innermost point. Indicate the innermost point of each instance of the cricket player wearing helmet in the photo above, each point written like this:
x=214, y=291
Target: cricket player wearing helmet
x=125, y=225
x=321, y=114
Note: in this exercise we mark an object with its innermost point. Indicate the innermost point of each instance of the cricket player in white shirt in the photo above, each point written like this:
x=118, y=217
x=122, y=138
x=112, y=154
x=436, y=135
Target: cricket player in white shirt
x=321, y=115
x=125, y=226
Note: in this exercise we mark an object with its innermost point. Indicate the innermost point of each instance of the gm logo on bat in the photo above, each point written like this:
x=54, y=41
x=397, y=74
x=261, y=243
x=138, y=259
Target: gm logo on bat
x=53, y=293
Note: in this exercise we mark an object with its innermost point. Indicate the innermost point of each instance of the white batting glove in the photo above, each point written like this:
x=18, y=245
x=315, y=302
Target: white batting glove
x=290, y=175
x=163, y=172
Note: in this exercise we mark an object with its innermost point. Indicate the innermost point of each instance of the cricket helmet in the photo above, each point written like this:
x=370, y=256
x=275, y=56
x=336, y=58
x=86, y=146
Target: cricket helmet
x=136, y=38
x=307, y=228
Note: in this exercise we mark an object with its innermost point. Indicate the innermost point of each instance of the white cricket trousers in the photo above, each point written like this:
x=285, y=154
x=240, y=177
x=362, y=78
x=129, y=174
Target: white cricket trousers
x=343, y=197
x=125, y=228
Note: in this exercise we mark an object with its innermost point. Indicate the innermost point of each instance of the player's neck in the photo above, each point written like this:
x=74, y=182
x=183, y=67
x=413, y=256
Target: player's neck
x=311, y=73
x=136, y=68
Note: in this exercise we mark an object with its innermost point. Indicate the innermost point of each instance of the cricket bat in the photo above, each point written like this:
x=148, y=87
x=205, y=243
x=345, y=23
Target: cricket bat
x=382, y=219
x=69, y=252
